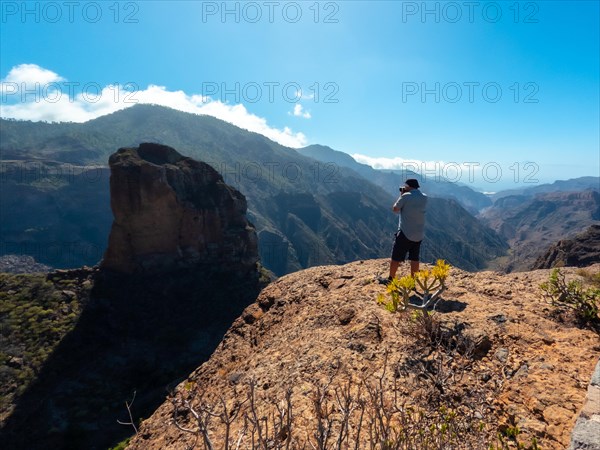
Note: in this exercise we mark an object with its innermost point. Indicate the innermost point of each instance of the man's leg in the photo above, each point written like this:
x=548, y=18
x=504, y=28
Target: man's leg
x=393, y=268
x=414, y=267
x=398, y=255
x=413, y=256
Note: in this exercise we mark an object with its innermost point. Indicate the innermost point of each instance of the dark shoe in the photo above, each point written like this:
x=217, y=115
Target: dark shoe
x=384, y=281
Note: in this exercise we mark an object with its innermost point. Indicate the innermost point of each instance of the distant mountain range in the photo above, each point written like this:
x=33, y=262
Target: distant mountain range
x=55, y=199
x=529, y=226
x=572, y=185
x=390, y=180
x=533, y=223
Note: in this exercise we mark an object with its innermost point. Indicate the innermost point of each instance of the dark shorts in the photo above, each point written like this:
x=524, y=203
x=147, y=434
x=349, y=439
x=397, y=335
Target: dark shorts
x=402, y=246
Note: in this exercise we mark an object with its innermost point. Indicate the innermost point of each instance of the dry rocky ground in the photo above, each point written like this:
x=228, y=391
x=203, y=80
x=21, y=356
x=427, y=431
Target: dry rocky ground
x=531, y=367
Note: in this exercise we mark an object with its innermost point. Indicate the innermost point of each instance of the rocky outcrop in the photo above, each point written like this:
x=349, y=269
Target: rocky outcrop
x=317, y=330
x=172, y=212
x=181, y=265
x=581, y=251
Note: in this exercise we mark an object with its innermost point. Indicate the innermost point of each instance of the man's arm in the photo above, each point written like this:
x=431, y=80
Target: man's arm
x=396, y=207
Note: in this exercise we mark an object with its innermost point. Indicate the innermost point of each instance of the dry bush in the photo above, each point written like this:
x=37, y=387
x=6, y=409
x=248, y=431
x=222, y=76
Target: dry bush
x=413, y=403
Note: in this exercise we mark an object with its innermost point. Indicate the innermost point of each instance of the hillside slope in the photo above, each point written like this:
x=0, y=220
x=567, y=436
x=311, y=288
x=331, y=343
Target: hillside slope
x=67, y=373
x=55, y=206
x=311, y=333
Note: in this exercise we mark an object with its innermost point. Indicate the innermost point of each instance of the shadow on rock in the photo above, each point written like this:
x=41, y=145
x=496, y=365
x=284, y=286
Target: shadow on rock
x=446, y=306
x=136, y=334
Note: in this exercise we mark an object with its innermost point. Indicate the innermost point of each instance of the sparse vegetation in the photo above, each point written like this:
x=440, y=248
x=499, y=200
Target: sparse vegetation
x=121, y=445
x=431, y=280
x=427, y=398
x=509, y=438
x=35, y=314
x=399, y=292
x=265, y=276
x=371, y=413
x=424, y=327
x=563, y=294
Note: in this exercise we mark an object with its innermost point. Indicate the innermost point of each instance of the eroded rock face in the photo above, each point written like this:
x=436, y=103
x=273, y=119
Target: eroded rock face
x=580, y=251
x=173, y=212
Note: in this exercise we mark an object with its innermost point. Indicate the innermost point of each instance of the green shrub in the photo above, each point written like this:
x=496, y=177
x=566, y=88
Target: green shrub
x=572, y=294
x=429, y=281
x=509, y=438
x=399, y=292
x=121, y=445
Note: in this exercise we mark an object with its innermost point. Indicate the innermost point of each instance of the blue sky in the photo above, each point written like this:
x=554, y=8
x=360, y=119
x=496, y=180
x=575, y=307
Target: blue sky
x=509, y=86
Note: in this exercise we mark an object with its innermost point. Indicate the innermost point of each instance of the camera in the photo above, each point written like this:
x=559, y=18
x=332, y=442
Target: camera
x=402, y=190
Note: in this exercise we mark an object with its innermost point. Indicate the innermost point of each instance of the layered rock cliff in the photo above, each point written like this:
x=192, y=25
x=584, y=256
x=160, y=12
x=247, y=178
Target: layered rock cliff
x=580, y=251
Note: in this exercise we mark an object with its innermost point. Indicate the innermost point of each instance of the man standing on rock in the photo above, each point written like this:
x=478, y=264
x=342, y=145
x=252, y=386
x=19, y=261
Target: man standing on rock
x=411, y=206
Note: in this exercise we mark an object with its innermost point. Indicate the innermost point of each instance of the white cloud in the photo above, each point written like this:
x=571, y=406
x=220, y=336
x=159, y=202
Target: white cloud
x=397, y=163
x=300, y=95
x=448, y=170
x=31, y=74
x=49, y=100
x=299, y=112
x=467, y=172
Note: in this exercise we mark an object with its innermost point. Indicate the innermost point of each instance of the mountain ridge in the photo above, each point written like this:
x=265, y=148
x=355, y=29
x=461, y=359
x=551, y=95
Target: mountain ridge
x=269, y=175
x=571, y=184
x=390, y=180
